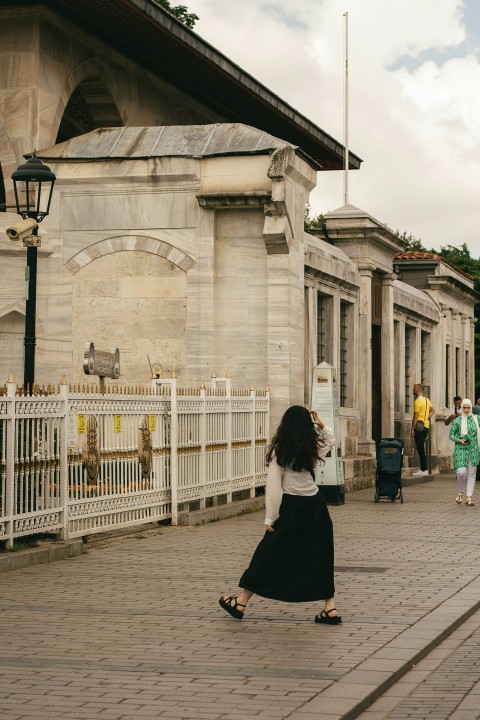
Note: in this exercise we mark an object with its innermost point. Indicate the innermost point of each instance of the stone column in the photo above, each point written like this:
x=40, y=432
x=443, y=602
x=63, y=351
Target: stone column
x=388, y=356
x=283, y=234
x=400, y=357
x=471, y=358
x=335, y=337
x=200, y=302
x=418, y=356
x=310, y=338
x=464, y=345
x=445, y=383
x=453, y=355
x=366, y=445
x=285, y=327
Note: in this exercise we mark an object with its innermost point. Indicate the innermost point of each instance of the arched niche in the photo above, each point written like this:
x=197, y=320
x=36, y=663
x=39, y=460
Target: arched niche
x=90, y=106
x=134, y=300
x=12, y=330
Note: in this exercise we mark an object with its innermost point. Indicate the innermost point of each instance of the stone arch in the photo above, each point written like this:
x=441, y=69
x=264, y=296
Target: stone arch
x=88, y=69
x=134, y=299
x=12, y=335
x=13, y=306
x=121, y=243
x=8, y=159
x=12, y=328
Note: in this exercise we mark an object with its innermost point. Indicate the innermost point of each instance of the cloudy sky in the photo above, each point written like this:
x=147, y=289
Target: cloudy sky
x=414, y=79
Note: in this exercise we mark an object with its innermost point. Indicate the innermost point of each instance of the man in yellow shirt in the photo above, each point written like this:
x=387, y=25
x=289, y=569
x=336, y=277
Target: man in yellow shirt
x=422, y=412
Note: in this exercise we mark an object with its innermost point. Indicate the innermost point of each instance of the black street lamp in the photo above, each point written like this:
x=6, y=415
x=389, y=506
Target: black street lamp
x=33, y=186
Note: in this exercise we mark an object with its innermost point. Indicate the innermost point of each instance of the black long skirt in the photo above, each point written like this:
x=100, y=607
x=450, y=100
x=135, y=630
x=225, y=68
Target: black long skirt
x=295, y=563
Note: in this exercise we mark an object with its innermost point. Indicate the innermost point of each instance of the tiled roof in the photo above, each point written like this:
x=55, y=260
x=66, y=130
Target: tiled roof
x=419, y=255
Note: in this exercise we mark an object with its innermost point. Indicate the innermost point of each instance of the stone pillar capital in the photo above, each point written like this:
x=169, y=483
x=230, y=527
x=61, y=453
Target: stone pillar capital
x=388, y=279
x=366, y=269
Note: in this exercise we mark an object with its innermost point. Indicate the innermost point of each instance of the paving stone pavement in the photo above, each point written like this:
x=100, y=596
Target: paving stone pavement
x=133, y=629
x=444, y=686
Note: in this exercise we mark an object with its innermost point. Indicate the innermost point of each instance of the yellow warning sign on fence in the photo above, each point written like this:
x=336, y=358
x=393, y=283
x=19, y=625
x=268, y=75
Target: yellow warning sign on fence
x=152, y=423
x=117, y=423
x=81, y=424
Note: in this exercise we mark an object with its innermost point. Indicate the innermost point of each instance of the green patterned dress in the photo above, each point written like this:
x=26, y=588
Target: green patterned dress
x=463, y=453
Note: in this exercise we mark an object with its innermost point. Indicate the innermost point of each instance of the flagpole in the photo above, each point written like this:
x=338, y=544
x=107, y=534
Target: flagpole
x=345, y=108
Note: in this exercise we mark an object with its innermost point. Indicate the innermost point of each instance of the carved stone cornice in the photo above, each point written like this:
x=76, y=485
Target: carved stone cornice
x=234, y=200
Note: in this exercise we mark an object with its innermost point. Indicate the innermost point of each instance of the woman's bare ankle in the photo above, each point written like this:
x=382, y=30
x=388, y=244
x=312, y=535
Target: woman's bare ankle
x=330, y=607
x=244, y=597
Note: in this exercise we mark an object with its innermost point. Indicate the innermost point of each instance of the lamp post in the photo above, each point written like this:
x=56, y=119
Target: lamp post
x=33, y=186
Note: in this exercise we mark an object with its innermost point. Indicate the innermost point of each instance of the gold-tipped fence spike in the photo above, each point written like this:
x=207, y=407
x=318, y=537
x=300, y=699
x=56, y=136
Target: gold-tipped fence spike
x=202, y=386
x=213, y=375
x=267, y=389
x=228, y=374
x=174, y=374
x=11, y=379
x=63, y=381
x=252, y=388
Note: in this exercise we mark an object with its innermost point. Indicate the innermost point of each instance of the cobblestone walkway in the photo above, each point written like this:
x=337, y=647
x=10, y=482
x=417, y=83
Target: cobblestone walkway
x=133, y=629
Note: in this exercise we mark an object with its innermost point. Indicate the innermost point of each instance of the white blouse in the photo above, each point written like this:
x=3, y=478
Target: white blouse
x=285, y=480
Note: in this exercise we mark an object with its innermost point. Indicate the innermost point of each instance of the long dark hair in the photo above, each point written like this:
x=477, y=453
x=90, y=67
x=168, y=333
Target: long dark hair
x=296, y=443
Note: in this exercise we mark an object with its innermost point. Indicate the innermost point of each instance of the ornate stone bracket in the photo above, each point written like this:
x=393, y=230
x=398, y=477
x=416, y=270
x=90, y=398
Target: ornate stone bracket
x=277, y=229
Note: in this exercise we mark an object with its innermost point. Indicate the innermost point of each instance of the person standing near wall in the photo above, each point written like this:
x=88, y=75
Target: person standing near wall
x=422, y=412
x=466, y=455
x=455, y=411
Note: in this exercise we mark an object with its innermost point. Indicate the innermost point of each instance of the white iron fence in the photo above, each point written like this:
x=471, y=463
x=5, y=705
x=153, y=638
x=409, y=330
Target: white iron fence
x=74, y=461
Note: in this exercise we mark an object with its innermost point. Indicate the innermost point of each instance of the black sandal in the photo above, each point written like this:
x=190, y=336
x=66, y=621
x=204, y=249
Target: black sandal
x=325, y=618
x=230, y=604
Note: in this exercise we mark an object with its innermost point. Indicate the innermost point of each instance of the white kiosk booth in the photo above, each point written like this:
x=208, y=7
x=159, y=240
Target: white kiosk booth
x=329, y=475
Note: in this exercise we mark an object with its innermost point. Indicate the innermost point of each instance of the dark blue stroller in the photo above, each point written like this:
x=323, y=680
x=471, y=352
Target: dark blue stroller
x=388, y=478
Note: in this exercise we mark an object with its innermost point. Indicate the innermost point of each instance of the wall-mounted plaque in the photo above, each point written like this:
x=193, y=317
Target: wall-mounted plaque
x=101, y=363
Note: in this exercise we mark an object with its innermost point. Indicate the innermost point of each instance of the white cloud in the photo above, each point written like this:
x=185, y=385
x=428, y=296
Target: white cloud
x=414, y=101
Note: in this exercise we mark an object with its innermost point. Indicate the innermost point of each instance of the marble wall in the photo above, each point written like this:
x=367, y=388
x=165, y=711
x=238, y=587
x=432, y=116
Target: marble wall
x=43, y=59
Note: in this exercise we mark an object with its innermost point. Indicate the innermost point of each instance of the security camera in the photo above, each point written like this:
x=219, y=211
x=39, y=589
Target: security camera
x=23, y=231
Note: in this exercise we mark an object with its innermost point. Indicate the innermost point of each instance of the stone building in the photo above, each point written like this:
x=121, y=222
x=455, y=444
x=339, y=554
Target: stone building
x=176, y=230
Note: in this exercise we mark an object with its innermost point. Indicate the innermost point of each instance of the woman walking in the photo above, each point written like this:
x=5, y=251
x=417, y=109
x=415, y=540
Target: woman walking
x=294, y=560
x=466, y=455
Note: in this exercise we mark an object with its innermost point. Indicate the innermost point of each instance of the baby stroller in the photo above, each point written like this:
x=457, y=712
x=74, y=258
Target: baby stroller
x=388, y=478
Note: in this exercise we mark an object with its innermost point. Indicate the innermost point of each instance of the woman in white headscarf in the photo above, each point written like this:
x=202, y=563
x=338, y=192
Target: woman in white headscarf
x=466, y=454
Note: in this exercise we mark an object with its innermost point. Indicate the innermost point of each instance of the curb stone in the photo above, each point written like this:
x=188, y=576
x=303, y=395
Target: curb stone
x=50, y=552
x=355, y=691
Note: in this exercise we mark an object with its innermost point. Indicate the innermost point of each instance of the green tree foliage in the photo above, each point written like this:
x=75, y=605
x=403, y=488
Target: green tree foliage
x=315, y=222
x=460, y=256
x=180, y=12
x=414, y=244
